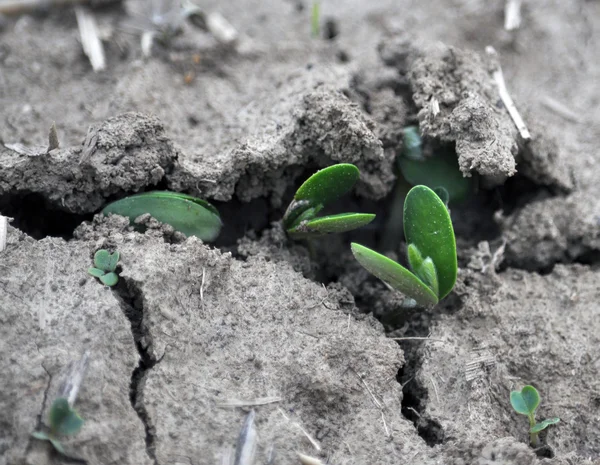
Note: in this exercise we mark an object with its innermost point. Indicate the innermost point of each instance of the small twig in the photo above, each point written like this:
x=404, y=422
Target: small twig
x=3, y=232
x=306, y=460
x=377, y=403
x=202, y=284
x=435, y=389
x=561, y=110
x=90, y=39
x=18, y=7
x=506, y=98
x=249, y=403
x=220, y=28
x=512, y=14
x=247, y=440
x=387, y=431
x=414, y=411
x=314, y=443
x=416, y=339
x=73, y=378
x=52, y=138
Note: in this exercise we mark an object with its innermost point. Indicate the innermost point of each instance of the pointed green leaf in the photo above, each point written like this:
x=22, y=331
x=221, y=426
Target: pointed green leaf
x=328, y=184
x=187, y=214
x=58, y=446
x=394, y=274
x=428, y=274
x=525, y=401
x=96, y=273
x=415, y=259
x=542, y=425
x=110, y=279
x=440, y=170
x=40, y=435
x=331, y=224
x=306, y=215
x=71, y=424
x=294, y=210
x=59, y=411
x=114, y=259
x=428, y=226
x=102, y=260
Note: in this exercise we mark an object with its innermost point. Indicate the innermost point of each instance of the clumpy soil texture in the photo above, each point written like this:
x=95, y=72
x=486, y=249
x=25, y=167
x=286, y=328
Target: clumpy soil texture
x=328, y=361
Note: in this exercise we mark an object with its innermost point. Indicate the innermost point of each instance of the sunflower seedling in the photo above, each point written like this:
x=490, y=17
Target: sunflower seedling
x=63, y=421
x=526, y=402
x=431, y=251
x=186, y=214
x=104, y=267
x=323, y=187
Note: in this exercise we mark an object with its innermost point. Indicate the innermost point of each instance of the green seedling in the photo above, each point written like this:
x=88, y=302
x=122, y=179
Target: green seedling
x=431, y=251
x=187, y=214
x=63, y=421
x=105, y=265
x=323, y=187
x=437, y=171
x=526, y=402
x=315, y=18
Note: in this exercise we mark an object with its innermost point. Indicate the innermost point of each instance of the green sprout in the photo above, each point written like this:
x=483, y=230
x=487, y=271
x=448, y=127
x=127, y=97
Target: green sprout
x=526, y=402
x=186, y=214
x=63, y=420
x=431, y=251
x=105, y=266
x=315, y=18
x=323, y=187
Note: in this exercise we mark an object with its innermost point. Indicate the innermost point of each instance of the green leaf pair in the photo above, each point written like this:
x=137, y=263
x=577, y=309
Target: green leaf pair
x=431, y=251
x=105, y=266
x=63, y=421
x=322, y=188
x=526, y=402
x=187, y=214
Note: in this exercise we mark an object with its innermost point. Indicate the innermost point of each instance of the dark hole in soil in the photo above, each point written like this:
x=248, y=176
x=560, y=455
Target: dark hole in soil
x=38, y=218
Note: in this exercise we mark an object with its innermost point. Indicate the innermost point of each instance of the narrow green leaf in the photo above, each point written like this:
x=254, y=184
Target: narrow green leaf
x=40, y=435
x=428, y=226
x=102, y=260
x=542, y=425
x=306, y=215
x=315, y=19
x=294, y=210
x=58, y=446
x=394, y=274
x=96, y=273
x=440, y=170
x=328, y=184
x=59, y=411
x=114, y=259
x=331, y=224
x=525, y=401
x=428, y=274
x=415, y=259
x=71, y=424
x=110, y=279
x=187, y=214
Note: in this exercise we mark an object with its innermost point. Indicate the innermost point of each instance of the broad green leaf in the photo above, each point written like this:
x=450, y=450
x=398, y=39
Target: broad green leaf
x=58, y=446
x=411, y=144
x=114, y=259
x=525, y=401
x=110, y=279
x=306, y=215
x=428, y=226
x=331, y=224
x=428, y=274
x=102, y=259
x=542, y=425
x=71, y=424
x=40, y=435
x=440, y=170
x=394, y=274
x=96, y=273
x=415, y=259
x=187, y=214
x=328, y=184
x=59, y=412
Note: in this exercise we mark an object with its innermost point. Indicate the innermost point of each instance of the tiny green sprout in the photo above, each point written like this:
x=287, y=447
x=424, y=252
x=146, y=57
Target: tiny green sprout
x=186, y=214
x=63, y=421
x=431, y=251
x=105, y=267
x=315, y=18
x=526, y=402
x=322, y=188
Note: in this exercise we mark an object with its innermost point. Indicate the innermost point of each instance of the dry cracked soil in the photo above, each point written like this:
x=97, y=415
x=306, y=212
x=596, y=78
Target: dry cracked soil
x=196, y=338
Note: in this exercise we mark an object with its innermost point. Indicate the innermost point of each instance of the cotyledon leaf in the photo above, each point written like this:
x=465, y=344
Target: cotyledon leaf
x=102, y=259
x=394, y=274
x=96, y=272
x=525, y=401
x=542, y=425
x=331, y=224
x=328, y=184
x=187, y=214
x=109, y=279
x=428, y=226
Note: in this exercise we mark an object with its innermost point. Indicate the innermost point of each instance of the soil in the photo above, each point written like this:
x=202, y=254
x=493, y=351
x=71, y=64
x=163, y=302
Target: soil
x=196, y=337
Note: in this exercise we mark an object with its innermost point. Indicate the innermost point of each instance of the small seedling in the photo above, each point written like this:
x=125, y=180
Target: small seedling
x=526, y=402
x=431, y=251
x=323, y=187
x=63, y=421
x=104, y=267
x=315, y=19
x=187, y=214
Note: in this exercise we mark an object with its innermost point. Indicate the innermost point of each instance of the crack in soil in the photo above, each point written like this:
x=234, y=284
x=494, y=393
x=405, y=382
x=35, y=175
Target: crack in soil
x=131, y=299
